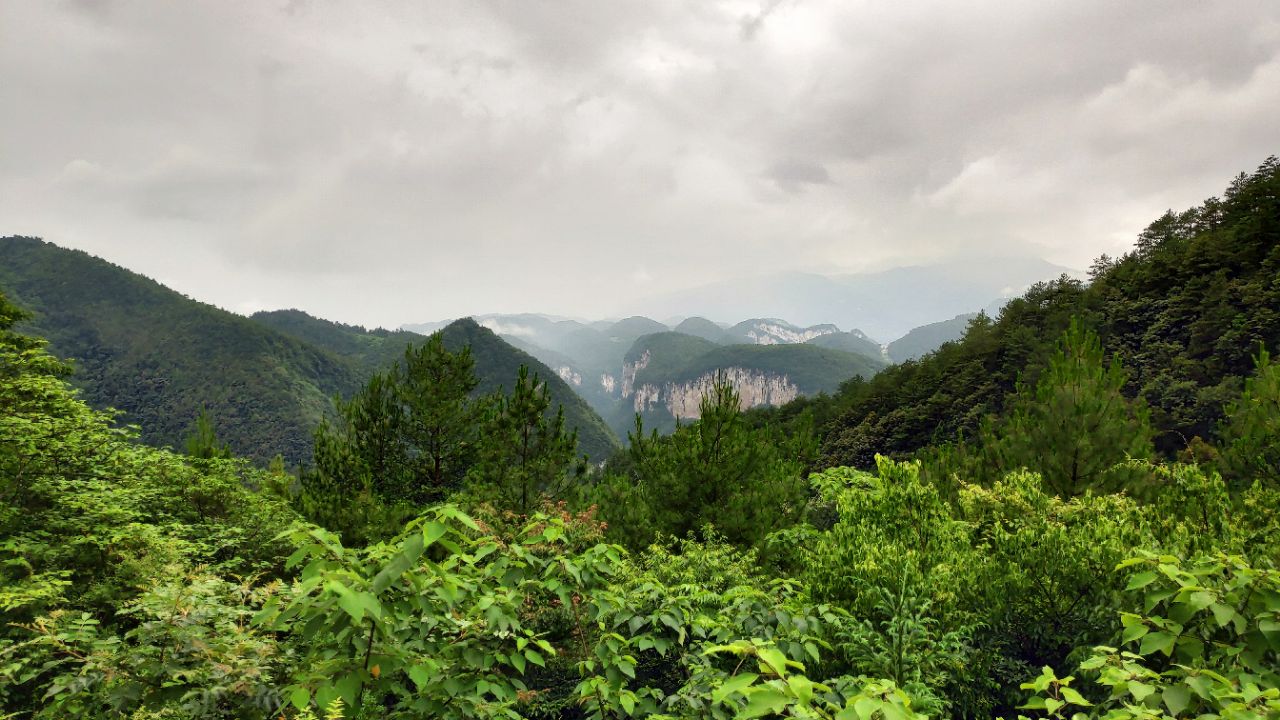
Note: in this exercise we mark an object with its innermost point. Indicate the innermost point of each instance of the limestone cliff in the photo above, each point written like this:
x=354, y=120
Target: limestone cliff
x=682, y=399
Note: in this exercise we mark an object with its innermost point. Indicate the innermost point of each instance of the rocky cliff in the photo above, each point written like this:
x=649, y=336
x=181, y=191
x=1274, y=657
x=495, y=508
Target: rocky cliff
x=683, y=399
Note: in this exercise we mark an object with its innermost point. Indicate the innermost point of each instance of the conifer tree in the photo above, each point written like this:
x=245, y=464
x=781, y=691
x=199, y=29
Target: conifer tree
x=718, y=471
x=433, y=387
x=1075, y=425
x=202, y=442
x=524, y=453
x=1251, y=433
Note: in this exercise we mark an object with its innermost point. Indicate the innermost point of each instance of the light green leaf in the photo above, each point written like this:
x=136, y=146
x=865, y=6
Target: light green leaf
x=1176, y=698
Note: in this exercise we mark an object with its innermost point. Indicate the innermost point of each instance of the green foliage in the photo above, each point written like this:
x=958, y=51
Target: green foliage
x=189, y=647
x=93, y=531
x=1185, y=309
x=1075, y=426
x=524, y=455
x=716, y=471
x=1203, y=640
x=202, y=443
x=1251, y=433
x=160, y=357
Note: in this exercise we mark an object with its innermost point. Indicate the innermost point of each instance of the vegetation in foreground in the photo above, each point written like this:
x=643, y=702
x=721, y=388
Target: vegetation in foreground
x=447, y=556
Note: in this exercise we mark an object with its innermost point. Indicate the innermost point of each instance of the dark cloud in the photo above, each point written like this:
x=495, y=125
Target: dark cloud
x=793, y=175
x=420, y=160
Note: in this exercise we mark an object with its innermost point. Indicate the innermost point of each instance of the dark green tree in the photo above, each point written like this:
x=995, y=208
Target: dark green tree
x=1075, y=425
x=1251, y=434
x=524, y=454
x=202, y=442
x=438, y=416
x=717, y=471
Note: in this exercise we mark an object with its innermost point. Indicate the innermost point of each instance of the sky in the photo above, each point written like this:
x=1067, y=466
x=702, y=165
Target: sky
x=383, y=162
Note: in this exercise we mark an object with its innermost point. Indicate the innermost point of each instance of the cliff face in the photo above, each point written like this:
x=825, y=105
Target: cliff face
x=682, y=400
x=569, y=375
x=629, y=371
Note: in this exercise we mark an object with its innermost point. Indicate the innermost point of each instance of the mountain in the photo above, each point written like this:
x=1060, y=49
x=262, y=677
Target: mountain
x=666, y=374
x=369, y=350
x=925, y=339
x=884, y=304
x=703, y=328
x=1185, y=312
x=160, y=357
x=266, y=381
x=854, y=341
x=773, y=331
x=496, y=363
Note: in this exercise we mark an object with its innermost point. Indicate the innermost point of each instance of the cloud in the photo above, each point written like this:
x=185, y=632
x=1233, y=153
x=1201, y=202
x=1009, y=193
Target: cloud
x=444, y=159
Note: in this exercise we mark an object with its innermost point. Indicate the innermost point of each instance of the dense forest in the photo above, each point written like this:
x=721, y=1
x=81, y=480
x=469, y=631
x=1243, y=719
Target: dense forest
x=1071, y=512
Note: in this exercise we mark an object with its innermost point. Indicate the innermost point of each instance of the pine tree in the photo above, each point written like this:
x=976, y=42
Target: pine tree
x=1251, y=433
x=433, y=387
x=1075, y=425
x=525, y=455
x=717, y=471
x=202, y=442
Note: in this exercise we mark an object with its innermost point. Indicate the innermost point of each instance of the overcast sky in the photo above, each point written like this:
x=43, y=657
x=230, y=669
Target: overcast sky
x=384, y=162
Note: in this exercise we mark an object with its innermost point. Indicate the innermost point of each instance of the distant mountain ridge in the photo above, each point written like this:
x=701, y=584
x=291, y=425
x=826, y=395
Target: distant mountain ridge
x=885, y=304
x=598, y=360
x=925, y=339
x=267, y=380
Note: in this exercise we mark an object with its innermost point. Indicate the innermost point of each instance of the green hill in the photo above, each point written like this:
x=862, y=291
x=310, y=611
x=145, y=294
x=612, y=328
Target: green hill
x=669, y=352
x=853, y=342
x=812, y=369
x=369, y=350
x=703, y=328
x=160, y=356
x=1185, y=312
x=925, y=339
x=670, y=371
x=497, y=363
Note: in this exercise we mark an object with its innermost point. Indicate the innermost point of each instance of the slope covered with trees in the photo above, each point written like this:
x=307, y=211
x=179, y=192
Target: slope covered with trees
x=266, y=382
x=161, y=357
x=925, y=339
x=1186, y=311
x=497, y=363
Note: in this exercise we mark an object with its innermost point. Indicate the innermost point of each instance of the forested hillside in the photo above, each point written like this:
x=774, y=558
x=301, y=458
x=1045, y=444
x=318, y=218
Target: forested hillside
x=496, y=363
x=925, y=339
x=665, y=375
x=1186, y=312
x=1082, y=521
x=265, y=382
x=161, y=357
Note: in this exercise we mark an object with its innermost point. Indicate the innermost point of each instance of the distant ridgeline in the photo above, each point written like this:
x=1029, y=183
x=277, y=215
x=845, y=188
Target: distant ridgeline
x=266, y=381
x=1185, y=312
x=639, y=365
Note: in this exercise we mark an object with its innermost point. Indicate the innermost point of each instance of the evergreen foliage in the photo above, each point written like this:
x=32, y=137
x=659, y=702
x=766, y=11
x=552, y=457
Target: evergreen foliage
x=1075, y=426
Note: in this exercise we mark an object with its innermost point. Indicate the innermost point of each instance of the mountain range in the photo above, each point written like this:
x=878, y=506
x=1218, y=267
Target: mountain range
x=885, y=304
x=266, y=381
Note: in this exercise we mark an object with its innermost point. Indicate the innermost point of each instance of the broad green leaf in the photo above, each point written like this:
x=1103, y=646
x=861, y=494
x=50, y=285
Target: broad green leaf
x=1176, y=698
x=764, y=700
x=1141, y=580
x=300, y=698
x=733, y=685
